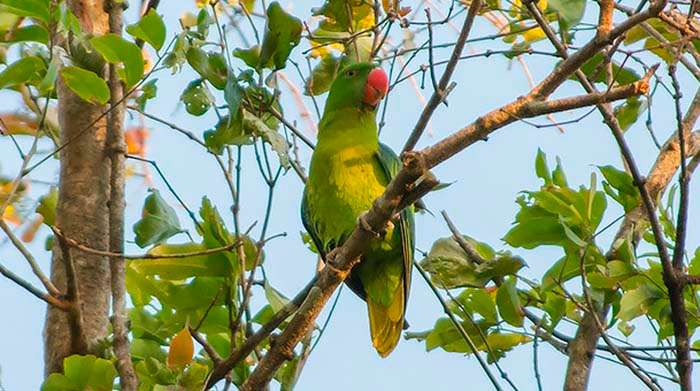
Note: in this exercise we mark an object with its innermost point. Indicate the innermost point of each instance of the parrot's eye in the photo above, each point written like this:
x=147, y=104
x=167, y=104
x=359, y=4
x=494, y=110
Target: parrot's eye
x=351, y=73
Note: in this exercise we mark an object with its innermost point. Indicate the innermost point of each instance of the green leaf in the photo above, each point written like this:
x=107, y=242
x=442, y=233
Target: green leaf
x=158, y=222
x=142, y=349
x=625, y=328
x=47, y=206
x=360, y=49
x=536, y=232
x=628, y=112
x=273, y=137
x=620, y=186
x=499, y=343
x=197, y=98
x=555, y=306
x=250, y=56
x=194, y=377
x=653, y=45
x=694, y=264
x=449, y=267
x=636, y=302
x=25, y=70
x=570, y=11
x=150, y=29
x=178, y=55
x=82, y=373
x=282, y=34
x=541, y=168
x=31, y=33
x=275, y=298
x=264, y=315
x=38, y=9
x=211, y=66
x=181, y=268
x=509, y=303
x=149, y=91
x=227, y=132
x=504, y=265
x=116, y=50
x=558, y=175
x=286, y=375
x=322, y=76
x=571, y=235
x=215, y=235
x=595, y=71
x=446, y=336
x=563, y=270
x=479, y=301
x=48, y=83
x=58, y=382
x=86, y=84
x=337, y=16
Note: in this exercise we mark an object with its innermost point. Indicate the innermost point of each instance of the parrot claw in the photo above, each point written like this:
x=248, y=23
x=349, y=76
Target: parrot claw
x=367, y=227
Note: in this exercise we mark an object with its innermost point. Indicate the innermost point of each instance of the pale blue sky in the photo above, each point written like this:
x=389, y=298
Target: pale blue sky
x=487, y=178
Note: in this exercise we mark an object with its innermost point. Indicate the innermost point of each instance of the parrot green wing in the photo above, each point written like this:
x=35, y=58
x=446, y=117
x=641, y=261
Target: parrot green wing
x=352, y=281
x=391, y=165
x=310, y=228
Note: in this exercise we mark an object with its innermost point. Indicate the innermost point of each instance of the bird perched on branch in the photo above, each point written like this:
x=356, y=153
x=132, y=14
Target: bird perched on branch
x=349, y=169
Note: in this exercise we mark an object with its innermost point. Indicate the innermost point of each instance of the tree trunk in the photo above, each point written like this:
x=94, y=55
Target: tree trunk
x=82, y=213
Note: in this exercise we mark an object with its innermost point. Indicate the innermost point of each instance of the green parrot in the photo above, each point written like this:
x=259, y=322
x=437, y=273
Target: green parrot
x=349, y=169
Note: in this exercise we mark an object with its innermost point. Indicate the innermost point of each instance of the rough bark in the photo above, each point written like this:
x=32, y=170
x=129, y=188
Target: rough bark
x=82, y=213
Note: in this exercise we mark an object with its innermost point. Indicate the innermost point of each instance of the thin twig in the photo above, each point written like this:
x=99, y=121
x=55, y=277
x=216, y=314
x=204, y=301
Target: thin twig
x=459, y=327
x=438, y=95
x=74, y=243
x=49, y=299
x=36, y=269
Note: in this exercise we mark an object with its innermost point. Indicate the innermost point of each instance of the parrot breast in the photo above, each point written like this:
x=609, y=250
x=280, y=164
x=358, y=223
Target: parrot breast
x=343, y=184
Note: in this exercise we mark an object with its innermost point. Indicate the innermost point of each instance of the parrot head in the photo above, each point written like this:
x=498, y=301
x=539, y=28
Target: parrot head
x=361, y=85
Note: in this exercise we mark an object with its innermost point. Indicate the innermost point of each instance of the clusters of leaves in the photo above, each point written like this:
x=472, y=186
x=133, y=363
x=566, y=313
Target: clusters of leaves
x=253, y=108
x=344, y=35
x=569, y=219
x=171, y=294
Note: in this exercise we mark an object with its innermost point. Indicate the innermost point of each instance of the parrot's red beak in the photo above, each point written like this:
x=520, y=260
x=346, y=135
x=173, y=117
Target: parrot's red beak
x=376, y=87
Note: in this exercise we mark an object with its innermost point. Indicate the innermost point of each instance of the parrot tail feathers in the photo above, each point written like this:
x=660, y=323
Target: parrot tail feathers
x=386, y=323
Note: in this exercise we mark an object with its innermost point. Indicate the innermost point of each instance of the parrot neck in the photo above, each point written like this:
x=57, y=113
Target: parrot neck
x=348, y=127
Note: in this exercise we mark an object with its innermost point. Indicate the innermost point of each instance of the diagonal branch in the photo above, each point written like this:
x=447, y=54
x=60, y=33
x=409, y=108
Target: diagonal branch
x=441, y=90
x=74, y=243
x=49, y=299
x=45, y=281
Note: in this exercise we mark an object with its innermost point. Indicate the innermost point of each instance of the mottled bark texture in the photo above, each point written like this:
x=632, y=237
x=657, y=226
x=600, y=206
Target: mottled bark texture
x=82, y=212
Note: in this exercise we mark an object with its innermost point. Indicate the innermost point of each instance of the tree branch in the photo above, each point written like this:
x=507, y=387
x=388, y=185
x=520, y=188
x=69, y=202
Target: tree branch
x=438, y=95
x=675, y=282
x=45, y=281
x=82, y=247
x=49, y=299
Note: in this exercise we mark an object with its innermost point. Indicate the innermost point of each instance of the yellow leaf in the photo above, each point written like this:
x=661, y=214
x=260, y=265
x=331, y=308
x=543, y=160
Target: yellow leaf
x=181, y=349
x=10, y=215
x=533, y=35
